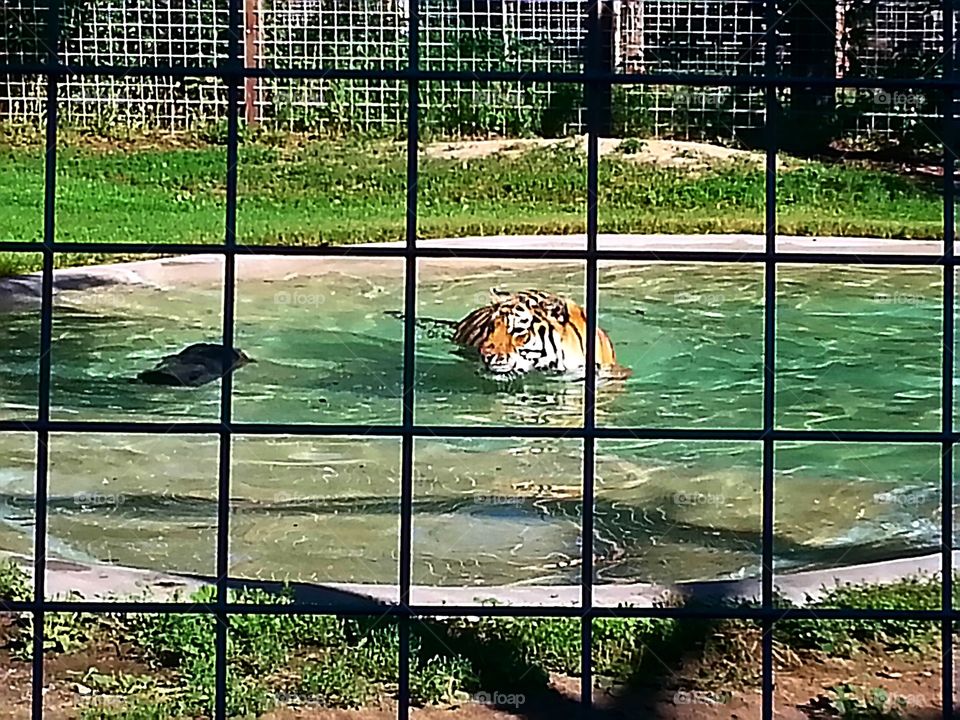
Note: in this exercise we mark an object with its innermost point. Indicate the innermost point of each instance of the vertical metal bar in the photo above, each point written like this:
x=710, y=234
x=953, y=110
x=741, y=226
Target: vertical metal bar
x=235, y=68
x=593, y=97
x=251, y=44
x=409, y=351
x=769, y=349
x=46, y=338
x=949, y=277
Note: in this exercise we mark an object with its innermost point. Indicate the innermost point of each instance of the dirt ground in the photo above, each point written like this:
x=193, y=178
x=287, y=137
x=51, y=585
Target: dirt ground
x=799, y=693
x=663, y=153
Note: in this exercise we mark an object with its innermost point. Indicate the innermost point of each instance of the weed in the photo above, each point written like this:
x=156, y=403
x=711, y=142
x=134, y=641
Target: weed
x=632, y=146
x=117, y=683
x=335, y=681
x=441, y=681
x=137, y=709
x=14, y=582
x=844, y=637
x=62, y=632
x=850, y=703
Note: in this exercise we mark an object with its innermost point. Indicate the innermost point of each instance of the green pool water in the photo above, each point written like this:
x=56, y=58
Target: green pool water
x=857, y=348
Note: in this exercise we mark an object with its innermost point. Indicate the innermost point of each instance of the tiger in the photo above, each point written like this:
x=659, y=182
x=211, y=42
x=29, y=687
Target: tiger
x=533, y=330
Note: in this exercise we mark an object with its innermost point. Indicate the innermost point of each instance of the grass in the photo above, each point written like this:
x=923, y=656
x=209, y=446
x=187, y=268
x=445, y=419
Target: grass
x=353, y=190
x=842, y=638
x=349, y=662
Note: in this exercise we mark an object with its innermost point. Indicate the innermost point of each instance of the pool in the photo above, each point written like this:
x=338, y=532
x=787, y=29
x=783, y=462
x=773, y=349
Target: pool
x=857, y=348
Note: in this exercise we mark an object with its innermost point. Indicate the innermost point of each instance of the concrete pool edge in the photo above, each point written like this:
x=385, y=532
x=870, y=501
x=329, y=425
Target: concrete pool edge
x=161, y=273
x=90, y=582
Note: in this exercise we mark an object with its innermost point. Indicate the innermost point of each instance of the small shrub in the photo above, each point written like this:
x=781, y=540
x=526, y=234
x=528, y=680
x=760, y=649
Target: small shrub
x=135, y=710
x=117, y=683
x=632, y=146
x=336, y=681
x=621, y=646
x=849, y=703
x=441, y=681
x=62, y=633
x=845, y=637
x=14, y=582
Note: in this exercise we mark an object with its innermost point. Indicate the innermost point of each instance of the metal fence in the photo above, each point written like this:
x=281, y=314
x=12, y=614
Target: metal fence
x=862, y=37
x=129, y=69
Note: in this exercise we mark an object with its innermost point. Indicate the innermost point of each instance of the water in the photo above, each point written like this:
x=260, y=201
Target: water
x=857, y=348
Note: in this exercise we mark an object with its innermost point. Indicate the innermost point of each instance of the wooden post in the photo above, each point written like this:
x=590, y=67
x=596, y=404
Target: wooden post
x=251, y=59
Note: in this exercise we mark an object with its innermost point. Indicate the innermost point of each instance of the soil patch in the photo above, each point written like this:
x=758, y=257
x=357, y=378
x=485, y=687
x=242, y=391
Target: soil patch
x=662, y=153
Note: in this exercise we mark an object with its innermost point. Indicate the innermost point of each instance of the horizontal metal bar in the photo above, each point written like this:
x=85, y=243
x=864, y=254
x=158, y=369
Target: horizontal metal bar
x=398, y=610
x=479, y=253
x=214, y=427
x=228, y=72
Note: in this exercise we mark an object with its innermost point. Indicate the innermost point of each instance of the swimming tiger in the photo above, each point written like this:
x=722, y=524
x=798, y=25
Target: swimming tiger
x=533, y=330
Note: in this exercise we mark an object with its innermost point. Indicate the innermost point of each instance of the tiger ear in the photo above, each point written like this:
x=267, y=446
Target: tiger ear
x=499, y=296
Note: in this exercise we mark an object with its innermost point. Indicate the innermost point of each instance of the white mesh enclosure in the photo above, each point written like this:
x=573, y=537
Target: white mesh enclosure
x=683, y=37
x=358, y=34
x=887, y=38
x=518, y=35
x=174, y=33
x=675, y=37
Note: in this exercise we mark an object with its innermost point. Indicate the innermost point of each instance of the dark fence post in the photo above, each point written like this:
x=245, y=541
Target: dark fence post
x=608, y=64
x=811, y=29
x=603, y=90
x=251, y=42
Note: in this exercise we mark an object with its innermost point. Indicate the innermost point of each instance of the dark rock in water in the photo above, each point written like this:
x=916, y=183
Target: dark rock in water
x=194, y=366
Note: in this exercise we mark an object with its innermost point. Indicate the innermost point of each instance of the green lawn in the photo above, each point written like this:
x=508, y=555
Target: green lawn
x=351, y=191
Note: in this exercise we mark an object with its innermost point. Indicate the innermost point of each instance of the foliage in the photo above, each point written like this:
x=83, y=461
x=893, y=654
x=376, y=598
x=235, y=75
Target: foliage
x=851, y=703
x=844, y=637
x=14, y=583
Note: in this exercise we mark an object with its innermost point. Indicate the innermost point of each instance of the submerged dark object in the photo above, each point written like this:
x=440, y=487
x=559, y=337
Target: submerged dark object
x=196, y=365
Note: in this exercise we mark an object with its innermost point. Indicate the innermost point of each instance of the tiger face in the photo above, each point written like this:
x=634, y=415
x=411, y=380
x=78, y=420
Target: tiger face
x=518, y=333
x=512, y=346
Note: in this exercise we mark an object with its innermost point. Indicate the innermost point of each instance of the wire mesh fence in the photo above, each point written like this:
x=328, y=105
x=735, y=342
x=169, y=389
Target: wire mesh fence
x=873, y=38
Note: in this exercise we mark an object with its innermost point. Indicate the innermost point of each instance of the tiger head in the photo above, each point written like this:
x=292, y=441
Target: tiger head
x=511, y=333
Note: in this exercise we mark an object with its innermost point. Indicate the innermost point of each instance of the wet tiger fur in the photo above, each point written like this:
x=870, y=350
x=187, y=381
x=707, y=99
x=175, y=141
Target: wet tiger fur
x=533, y=330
